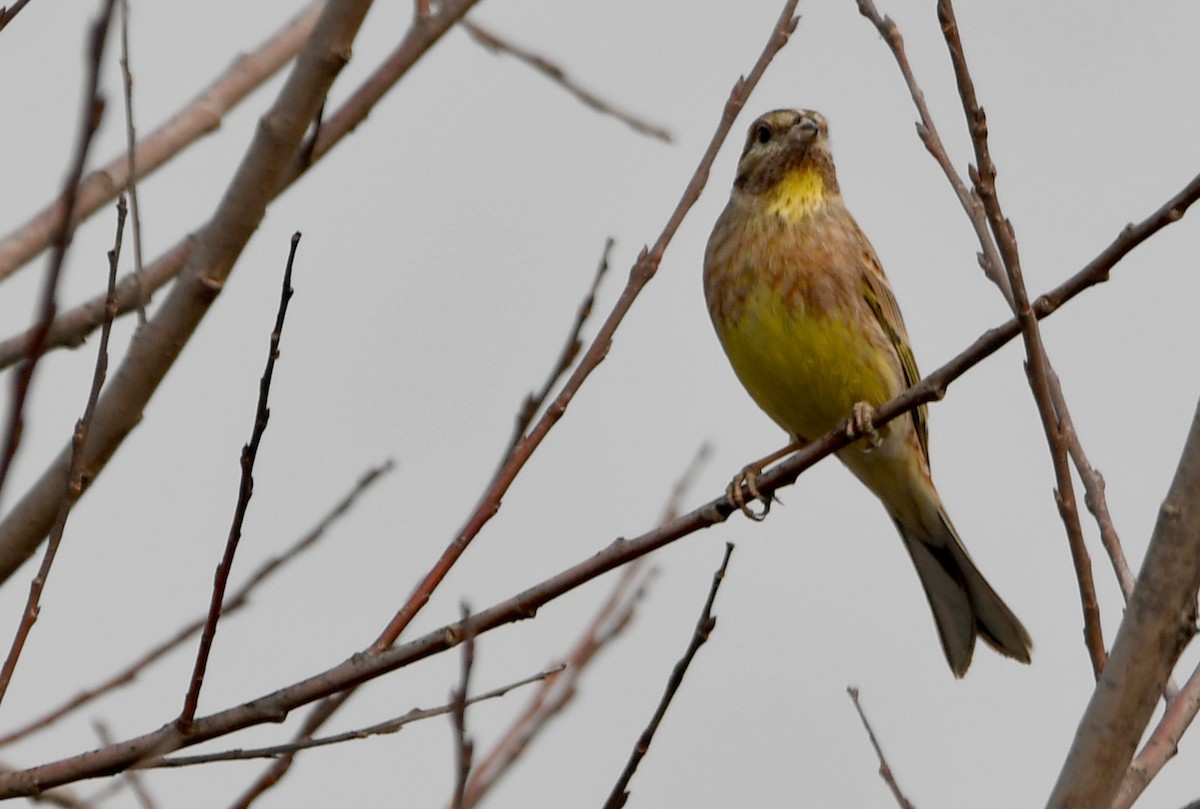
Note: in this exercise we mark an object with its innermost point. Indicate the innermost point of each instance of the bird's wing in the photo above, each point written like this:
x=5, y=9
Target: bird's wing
x=887, y=311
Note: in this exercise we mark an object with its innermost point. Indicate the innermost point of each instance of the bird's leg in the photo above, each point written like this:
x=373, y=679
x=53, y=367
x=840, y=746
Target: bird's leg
x=749, y=478
x=862, y=424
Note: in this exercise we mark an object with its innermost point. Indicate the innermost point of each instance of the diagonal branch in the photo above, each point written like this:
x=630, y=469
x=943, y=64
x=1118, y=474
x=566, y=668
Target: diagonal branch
x=249, y=455
x=641, y=273
x=209, y=263
x=1160, y=620
x=497, y=44
x=1038, y=367
x=201, y=116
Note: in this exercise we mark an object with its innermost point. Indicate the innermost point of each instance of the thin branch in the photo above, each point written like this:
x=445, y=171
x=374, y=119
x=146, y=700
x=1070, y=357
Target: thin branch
x=131, y=777
x=989, y=259
x=379, y=729
x=199, y=117
x=496, y=44
x=570, y=350
x=7, y=13
x=464, y=747
x=76, y=472
x=262, y=414
x=1038, y=367
x=885, y=770
x=555, y=693
x=700, y=635
x=641, y=273
x=611, y=619
x=232, y=604
x=93, y=111
x=217, y=247
x=131, y=156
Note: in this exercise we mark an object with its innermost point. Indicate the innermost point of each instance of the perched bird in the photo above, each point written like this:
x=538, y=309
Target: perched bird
x=812, y=330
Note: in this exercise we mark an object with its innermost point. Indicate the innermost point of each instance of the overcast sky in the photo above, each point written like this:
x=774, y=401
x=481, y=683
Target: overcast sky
x=447, y=244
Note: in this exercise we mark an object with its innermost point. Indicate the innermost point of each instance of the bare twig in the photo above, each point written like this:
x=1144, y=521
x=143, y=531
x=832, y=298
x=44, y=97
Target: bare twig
x=262, y=414
x=200, y=116
x=496, y=44
x=989, y=260
x=556, y=693
x=131, y=777
x=700, y=634
x=379, y=729
x=641, y=273
x=233, y=603
x=1163, y=743
x=93, y=111
x=570, y=350
x=614, y=615
x=217, y=247
x=885, y=770
x=77, y=470
x=7, y=13
x=1038, y=366
x=131, y=156
x=464, y=747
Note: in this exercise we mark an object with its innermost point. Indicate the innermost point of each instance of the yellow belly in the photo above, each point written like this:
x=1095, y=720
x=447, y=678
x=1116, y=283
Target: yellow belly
x=807, y=369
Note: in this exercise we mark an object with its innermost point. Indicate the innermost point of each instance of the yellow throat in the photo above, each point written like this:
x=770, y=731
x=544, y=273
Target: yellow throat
x=798, y=194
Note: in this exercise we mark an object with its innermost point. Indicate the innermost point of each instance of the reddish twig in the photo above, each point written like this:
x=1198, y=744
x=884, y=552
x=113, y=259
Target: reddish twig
x=131, y=777
x=700, y=635
x=1038, y=366
x=641, y=273
x=570, y=350
x=464, y=747
x=379, y=729
x=556, y=692
x=885, y=770
x=245, y=491
x=201, y=115
x=233, y=603
x=1163, y=743
x=93, y=111
x=496, y=44
x=610, y=620
x=131, y=155
x=989, y=260
x=76, y=472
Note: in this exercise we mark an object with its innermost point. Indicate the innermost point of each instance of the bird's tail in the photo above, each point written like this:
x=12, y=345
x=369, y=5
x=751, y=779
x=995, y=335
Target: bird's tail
x=964, y=605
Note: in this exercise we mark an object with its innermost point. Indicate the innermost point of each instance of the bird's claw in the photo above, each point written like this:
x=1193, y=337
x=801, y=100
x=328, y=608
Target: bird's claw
x=748, y=477
x=862, y=424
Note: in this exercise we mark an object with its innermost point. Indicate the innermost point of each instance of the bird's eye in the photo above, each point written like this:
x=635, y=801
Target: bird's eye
x=762, y=133
x=809, y=125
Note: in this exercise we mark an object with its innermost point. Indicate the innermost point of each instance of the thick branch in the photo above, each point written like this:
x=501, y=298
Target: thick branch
x=1158, y=623
x=159, y=342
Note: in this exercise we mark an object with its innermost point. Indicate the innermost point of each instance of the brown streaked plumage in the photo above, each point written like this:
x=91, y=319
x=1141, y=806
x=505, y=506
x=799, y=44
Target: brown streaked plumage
x=804, y=311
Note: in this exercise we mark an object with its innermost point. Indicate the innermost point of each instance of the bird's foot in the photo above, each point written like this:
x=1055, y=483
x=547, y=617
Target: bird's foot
x=862, y=425
x=748, y=478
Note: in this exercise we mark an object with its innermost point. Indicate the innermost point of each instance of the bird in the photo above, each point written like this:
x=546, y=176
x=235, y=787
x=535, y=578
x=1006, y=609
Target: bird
x=809, y=323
